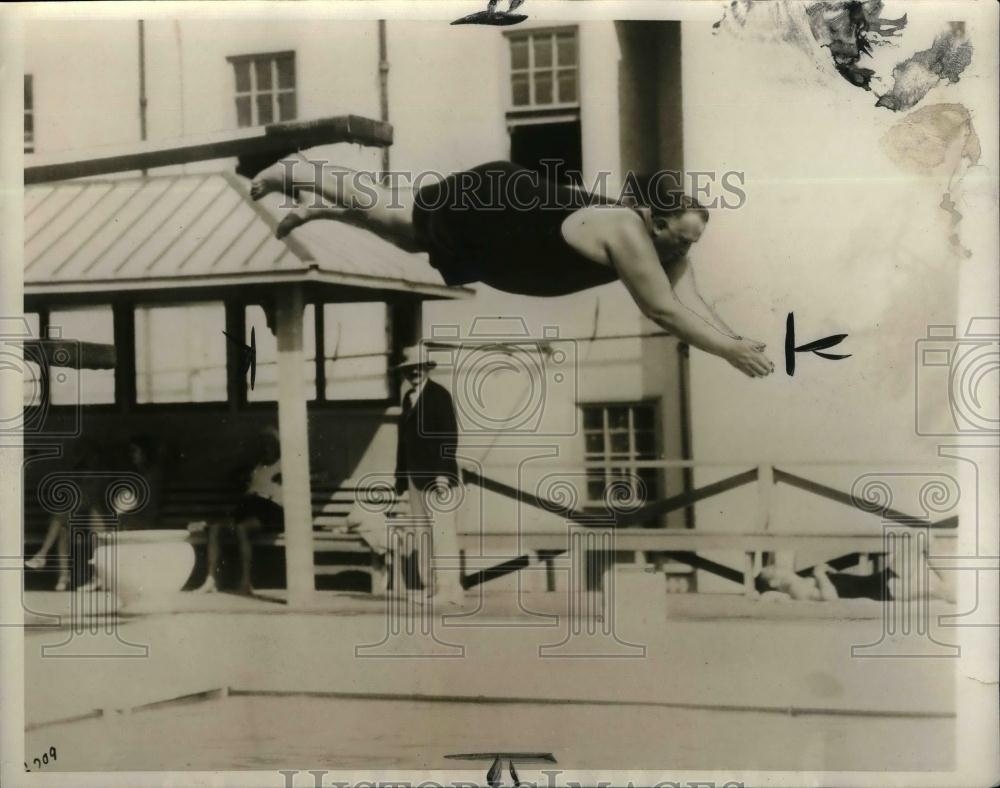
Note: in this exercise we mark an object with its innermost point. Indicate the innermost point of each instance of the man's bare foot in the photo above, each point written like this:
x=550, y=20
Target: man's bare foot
x=270, y=179
x=35, y=563
x=62, y=583
x=208, y=587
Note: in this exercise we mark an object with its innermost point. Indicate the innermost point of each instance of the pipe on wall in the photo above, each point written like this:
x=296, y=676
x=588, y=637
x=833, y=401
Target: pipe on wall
x=383, y=87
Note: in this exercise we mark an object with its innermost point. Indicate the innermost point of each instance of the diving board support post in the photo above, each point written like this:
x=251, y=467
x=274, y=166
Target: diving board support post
x=765, y=491
x=293, y=428
x=765, y=488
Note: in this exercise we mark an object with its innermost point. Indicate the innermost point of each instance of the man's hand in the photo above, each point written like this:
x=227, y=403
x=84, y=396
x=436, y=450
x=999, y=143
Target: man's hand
x=748, y=357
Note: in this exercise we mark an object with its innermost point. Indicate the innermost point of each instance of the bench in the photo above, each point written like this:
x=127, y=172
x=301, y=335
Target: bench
x=338, y=550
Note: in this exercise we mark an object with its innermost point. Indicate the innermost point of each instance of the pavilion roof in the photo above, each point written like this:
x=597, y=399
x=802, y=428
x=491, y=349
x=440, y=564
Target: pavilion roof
x=189, y=231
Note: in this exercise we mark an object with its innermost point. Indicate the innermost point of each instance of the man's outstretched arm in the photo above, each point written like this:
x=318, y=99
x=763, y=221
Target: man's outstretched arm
x=635, y=259
x=681, y=275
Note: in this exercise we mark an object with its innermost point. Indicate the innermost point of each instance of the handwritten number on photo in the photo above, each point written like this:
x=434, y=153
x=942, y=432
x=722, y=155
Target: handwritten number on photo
x=47, y=757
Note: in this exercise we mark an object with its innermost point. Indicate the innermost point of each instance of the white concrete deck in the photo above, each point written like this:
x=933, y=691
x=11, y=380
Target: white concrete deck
x=705, y=692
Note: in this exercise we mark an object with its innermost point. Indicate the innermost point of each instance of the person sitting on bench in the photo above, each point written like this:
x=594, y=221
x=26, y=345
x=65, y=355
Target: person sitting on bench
x=260, y=508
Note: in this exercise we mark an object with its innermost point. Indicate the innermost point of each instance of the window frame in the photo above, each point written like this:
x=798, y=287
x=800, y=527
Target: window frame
x=44, y=324
x=274, y=92
x=132, y=370
x=606, y=460
x=569, y=109
x=123, y=310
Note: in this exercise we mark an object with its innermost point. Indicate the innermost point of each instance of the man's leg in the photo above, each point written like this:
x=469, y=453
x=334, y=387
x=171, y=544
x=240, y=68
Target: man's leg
x=445, y=583
x=418, y=509
x=244, y=530
x=326, y=191
x=62, y=583
x=51, y=535
x=448, y=582
x=211, y=580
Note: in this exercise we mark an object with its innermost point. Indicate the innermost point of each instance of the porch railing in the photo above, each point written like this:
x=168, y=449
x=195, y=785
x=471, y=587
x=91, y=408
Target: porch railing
x=683, y=544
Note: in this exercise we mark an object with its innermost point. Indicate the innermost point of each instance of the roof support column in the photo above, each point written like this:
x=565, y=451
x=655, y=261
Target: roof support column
x=294, y=434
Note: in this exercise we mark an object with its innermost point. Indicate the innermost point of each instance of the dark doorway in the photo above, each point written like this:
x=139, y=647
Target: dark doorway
x=530, y=144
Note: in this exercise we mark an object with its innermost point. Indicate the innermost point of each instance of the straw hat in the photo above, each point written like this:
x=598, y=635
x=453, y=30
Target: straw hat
x=412, y=358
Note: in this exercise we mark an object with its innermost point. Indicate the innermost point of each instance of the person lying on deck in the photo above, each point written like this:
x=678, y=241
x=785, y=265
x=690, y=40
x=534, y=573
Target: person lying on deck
x=519, y=232
x=824, y=584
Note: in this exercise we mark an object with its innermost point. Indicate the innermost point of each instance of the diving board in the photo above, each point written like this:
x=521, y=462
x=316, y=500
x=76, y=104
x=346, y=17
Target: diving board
x=261, y=144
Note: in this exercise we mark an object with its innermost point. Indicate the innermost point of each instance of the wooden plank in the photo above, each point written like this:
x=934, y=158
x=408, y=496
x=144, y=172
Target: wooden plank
x=272, y=141
x=70, y=353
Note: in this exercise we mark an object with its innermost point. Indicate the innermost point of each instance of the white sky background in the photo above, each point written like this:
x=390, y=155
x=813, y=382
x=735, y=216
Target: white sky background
x=832, y=230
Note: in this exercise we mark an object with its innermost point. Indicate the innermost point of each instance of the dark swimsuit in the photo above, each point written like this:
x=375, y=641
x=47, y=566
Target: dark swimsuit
x=874, y=586
x=501, y=224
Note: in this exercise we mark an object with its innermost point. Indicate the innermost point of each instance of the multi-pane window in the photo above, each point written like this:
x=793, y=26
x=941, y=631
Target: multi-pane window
x=180, y=353
x=543, y=69
x=82, y=386
x=356, y=351
x=29, y=114
x=617, y=436
x=265, y=88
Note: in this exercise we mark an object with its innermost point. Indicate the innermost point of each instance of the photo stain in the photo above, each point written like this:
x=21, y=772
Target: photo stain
x=850, y=31
x=915, y=77
x=938, y=141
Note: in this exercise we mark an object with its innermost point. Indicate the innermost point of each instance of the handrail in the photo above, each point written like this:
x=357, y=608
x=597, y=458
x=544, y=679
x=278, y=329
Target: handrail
x=626, y=518
x=886, y=513
x=668, y=464
x=622, y=518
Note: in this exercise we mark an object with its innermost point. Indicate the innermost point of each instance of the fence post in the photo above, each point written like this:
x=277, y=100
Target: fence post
x=765, y=486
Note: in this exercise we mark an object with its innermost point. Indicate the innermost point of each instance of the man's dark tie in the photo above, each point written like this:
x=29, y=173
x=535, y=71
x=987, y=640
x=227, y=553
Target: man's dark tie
x=408, y=402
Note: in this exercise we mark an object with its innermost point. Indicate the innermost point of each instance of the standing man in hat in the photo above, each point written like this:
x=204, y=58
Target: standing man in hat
x=426, y=465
